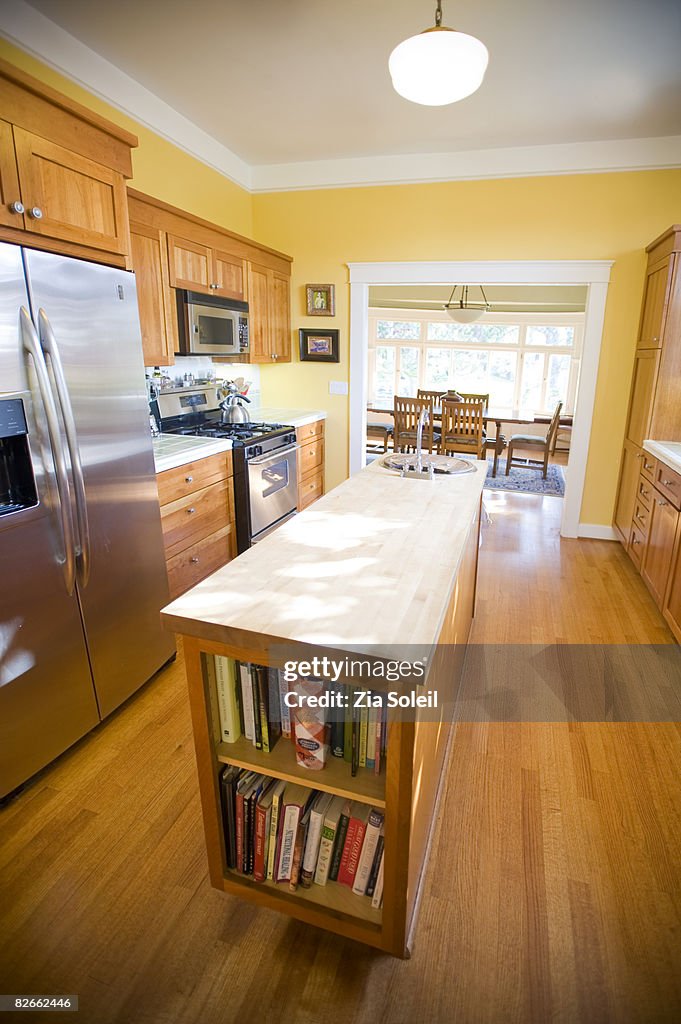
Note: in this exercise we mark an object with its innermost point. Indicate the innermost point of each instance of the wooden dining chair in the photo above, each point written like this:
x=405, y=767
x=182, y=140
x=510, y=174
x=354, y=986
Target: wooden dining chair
x=531, y=441
x=462, y=428
x=492, y=444
x=406, y=414
x=436, y=396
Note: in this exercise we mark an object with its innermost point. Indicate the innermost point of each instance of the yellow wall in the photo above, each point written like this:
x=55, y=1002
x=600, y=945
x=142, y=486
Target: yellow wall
x=599, y=216
x=576, y=217
x=160, y=169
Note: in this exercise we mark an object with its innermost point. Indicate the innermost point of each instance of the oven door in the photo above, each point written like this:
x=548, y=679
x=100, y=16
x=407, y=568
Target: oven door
x=213, y=331
x=272, y=488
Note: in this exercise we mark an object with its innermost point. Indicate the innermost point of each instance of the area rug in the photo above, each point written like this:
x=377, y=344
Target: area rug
x=529, y=481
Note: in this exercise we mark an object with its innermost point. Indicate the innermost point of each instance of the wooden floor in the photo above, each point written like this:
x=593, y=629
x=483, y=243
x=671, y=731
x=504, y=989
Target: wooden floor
x=552, y=893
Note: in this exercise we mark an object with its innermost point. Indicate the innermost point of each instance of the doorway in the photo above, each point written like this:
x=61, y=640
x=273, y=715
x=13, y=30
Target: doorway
x=592, y=275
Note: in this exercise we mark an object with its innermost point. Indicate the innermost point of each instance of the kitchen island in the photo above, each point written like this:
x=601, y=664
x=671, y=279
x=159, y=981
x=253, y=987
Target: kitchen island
x=383, y=565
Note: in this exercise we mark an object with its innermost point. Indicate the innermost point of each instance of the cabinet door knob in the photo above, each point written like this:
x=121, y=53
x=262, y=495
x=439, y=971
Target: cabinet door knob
x=194, y=560
x=16, y=207
x=644, y=492
x=191, y=511
x=635, y=541
x=35, y=212
x=654, y=339
x=659, y=502
x=189, y=479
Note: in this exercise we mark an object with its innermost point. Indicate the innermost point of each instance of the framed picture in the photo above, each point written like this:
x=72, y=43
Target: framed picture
x=319, y=346
x=321, y=299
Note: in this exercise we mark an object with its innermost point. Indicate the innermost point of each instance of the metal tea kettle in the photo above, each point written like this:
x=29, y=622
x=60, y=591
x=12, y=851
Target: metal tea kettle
x=232, y=409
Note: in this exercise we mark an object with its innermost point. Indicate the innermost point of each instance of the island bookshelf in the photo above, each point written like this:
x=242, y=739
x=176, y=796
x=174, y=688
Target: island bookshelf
x=407, y=788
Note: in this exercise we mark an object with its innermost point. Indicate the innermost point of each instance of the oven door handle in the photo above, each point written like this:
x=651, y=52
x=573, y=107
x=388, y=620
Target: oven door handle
x=273, y=456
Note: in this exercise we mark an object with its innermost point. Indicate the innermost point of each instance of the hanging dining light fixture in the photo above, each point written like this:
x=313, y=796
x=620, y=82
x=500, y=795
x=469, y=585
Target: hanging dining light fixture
x=461, y=311
x=439, y=65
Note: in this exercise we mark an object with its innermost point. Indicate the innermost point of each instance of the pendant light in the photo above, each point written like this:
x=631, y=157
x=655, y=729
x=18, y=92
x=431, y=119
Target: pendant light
x=438, y=66
x=461, y=311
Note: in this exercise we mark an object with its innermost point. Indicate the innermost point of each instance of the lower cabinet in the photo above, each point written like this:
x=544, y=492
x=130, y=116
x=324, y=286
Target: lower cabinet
x=197, y=517
x=653, y=540
x=310, y=463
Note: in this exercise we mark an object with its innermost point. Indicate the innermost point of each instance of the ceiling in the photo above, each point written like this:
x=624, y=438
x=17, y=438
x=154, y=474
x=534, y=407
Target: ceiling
x=502, y=298
x=292, y=81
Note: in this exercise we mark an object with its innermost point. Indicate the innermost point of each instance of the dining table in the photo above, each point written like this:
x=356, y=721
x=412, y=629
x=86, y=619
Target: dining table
x=492, y=414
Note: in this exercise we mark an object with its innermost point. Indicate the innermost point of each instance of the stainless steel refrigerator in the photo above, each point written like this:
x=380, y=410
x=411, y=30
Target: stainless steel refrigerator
x=82, y=570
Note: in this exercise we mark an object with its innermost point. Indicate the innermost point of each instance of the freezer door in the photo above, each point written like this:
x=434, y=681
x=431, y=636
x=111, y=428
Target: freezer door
x=47, y=700
x=90, y=326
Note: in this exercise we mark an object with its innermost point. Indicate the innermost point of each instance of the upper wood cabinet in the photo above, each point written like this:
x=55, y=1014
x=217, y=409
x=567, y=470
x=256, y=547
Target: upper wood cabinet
x=202, y=269
x=11, y=207
x=270, y=320
x=203, y=257
x=654, y=306
x=642, y=392
x=155, y=298
x=66, y=167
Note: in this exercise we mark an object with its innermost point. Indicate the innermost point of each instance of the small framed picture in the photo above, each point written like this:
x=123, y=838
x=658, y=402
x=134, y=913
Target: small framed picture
x=321, y=299
x=319, y=346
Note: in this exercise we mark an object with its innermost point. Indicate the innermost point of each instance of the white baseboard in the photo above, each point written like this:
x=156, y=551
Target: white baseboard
x=595, y=531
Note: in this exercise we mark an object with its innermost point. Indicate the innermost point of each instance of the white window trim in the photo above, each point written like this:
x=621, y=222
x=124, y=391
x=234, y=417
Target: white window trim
x=595, y=274
x=523, y=320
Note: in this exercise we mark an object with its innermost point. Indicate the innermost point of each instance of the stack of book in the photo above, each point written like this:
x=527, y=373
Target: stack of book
x=281, y=832
x=251, y=703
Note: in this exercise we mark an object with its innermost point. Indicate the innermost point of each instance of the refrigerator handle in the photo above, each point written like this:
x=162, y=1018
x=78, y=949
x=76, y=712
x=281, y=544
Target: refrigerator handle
x=51, y=349
x=29, y=340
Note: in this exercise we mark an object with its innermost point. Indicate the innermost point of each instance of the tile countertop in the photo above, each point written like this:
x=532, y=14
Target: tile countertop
x=668, y=452
x=173, y=450
x=289, y=417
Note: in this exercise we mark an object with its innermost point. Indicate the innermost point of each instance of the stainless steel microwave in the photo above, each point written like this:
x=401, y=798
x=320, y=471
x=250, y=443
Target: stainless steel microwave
x=211, y=326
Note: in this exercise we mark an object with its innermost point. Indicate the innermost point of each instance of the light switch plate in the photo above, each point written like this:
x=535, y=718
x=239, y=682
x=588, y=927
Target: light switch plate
x=338, y=387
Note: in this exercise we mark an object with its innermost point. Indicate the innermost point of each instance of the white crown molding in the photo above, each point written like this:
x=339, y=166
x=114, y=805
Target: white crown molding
x=30, y=30
x=522, y=162
x=33, y=32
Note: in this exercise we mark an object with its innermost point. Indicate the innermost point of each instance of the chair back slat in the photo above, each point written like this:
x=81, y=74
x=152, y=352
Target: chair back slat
x=406, y=414
x=553, y=425
x=462, y=427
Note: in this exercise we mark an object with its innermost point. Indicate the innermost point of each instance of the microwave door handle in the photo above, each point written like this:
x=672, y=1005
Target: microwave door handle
x=51, y=349
x=29, y=340
x=273, y=456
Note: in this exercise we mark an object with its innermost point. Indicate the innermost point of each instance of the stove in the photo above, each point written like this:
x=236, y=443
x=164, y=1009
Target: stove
x=264, y=457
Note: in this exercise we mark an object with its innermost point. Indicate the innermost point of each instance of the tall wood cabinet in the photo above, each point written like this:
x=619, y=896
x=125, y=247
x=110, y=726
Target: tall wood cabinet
x=62, y=173
x=655, y=399
x=203, y=257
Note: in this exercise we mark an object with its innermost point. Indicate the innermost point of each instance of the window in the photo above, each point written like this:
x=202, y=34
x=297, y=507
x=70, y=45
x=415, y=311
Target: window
x=524, y=360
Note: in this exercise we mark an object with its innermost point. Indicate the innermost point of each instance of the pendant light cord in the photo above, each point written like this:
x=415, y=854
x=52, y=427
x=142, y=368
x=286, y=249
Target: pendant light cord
x=438, y=14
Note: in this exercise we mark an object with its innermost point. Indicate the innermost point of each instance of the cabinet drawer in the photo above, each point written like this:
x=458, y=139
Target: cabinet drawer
x=669, y=483
x=309, y=489
x=641, y=518
x=311, y=431
x=195, y=516
x=648, y=466
x=637, y=545
x=310, y=458
x=193, y=476
x=199, y=560
x=644, y=494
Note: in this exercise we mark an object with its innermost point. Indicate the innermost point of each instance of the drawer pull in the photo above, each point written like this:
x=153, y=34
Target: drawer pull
x=646, y=494
x=659, y=502
x=669, y=483
x=194, y=560
x=189, y=479
x=635, y=541
x=191, y=511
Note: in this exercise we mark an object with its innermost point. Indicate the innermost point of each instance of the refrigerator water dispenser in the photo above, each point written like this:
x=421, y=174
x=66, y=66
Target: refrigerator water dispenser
x=17, y=483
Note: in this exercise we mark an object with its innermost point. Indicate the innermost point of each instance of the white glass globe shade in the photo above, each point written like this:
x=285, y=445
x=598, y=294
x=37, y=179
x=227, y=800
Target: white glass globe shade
x=464, y=314
x=438, y=66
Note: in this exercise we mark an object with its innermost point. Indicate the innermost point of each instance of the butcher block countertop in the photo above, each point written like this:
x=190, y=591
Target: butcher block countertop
x=373, y=562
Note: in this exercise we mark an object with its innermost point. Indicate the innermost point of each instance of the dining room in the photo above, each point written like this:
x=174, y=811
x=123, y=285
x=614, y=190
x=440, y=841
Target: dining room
x=495, y=369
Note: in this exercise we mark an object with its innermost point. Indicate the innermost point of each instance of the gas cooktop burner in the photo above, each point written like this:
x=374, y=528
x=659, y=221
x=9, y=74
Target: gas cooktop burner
x=236, y=431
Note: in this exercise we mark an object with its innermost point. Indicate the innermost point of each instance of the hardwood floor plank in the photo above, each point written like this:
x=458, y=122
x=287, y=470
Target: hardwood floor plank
x=553, y=892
